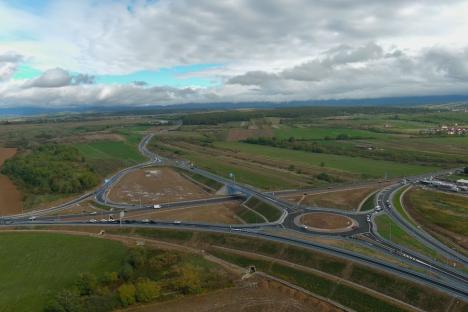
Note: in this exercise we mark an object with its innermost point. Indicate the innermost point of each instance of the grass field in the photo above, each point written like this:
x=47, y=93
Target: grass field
x=369, y=167
x=36, y=265
x=110, y=150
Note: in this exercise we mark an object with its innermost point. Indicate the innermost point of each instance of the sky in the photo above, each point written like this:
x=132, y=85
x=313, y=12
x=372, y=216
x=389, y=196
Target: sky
x=59, y=53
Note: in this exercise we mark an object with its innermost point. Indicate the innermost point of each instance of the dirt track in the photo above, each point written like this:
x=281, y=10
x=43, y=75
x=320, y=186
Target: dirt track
x=10, y=197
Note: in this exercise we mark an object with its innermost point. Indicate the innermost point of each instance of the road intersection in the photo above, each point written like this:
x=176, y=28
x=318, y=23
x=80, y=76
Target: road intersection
x=443, y=277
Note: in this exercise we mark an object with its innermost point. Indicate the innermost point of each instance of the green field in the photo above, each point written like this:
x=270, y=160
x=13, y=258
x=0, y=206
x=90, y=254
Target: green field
x=37, y=265
x=369, y=167
x=125, y=151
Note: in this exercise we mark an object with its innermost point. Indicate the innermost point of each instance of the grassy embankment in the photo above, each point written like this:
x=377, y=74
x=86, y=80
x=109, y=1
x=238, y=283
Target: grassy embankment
x=407, y=291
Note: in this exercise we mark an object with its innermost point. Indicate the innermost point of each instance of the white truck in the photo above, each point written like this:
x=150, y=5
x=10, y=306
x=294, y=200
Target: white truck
x=156, y=206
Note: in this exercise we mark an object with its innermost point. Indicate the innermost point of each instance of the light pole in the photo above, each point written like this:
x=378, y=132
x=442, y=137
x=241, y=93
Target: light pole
x=233, y=177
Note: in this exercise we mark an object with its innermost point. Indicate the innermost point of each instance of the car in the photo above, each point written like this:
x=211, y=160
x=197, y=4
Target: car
x=93, y=220
x=104, y=220
x=93, y=213
x=177, y=222
x=145, y=221
x=32, y=218
x=156, y=206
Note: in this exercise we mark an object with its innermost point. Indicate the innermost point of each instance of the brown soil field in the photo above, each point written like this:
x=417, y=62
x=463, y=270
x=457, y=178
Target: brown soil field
x=242, y=134
x=155, y=185
x=253, y=294
x=10, y=197
x=91, y=137
x=345, y=199
x=218, y=213
x=326, y=221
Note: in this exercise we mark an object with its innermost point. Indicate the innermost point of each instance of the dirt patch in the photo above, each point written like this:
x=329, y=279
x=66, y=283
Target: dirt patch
x=345, y=199
x=326, y=221
x=254, y=294
x=155, y=185
x=242, y=134
x=10, y=197
x=219, y=213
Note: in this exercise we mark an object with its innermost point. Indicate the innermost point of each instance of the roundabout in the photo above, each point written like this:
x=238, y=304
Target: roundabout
x=326, y=222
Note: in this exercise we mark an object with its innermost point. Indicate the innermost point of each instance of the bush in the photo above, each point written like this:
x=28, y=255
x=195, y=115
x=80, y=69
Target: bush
x=127, y=294
x=188, y=280
x=147, y=290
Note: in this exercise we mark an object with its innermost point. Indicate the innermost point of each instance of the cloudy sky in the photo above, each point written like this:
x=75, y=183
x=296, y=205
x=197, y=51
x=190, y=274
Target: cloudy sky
x=137, y=52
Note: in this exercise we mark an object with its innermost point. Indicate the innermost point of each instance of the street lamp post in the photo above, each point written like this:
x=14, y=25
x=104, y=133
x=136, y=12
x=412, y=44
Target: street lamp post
x=233, y=177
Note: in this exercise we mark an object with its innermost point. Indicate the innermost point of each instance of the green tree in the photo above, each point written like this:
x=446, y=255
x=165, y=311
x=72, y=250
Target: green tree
x=188, y=281
x=87, y=284
x=147, y=290
x=127, y=294
x=65, y=301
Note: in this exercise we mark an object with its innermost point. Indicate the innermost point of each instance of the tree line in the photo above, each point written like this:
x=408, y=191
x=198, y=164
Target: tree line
x=145, y=275
x=51, y=168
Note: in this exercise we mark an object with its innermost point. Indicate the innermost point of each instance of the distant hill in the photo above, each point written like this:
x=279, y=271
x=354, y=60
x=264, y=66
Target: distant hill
x=390, y=101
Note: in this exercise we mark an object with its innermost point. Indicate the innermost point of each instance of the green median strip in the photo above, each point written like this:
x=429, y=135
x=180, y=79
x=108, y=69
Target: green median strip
x=393, y=232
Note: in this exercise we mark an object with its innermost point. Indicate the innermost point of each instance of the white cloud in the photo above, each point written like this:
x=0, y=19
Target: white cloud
x=52, y=78
x=8, y=64
x=269, y=50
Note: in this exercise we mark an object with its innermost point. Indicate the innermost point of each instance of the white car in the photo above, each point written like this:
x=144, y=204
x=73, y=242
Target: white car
x=32, y=218
x=177, y=222
x=93, y=220
x=145, y=220
x=156, y=206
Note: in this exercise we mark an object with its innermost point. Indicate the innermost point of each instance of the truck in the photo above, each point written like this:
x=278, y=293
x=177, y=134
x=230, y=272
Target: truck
x=156, y=206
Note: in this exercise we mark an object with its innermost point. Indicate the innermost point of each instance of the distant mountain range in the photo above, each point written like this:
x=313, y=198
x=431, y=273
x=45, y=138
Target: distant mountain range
x=390, y=101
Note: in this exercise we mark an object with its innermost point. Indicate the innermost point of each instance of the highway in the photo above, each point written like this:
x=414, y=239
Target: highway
x=447, y=279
